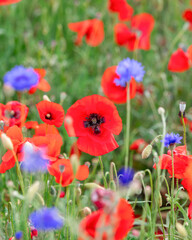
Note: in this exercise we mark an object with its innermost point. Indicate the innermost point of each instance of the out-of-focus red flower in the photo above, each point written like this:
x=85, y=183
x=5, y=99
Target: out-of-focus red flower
x=31, y=124
x=187, y=16
x=93, y=30
x=13, y=113
x=34, y=233
x=179, y=61
x=95, y=120
x=124, y=10
x=137, y=36
x=42, y=85
x=140, y=88
x=7, y=2
x=8, y=159
x=113, y=225
x=138, y=145
x=62, y=194
x=190, y=211
x=115, y=93
x=75, y=150
x=63, y=172
x=182, y=167
x=51, y=113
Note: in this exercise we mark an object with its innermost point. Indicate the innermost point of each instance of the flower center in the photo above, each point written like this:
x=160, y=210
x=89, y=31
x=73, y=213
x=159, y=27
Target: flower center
x=94, y=121
x=12, y=114
x=48, y=116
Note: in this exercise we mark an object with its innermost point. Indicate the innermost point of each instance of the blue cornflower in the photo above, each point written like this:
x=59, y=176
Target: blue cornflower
x=171, y=139
x=18, y=235
x=125, y=176
x=33, y=160
x=129, y=68
x=46, y=219
x=21, y=78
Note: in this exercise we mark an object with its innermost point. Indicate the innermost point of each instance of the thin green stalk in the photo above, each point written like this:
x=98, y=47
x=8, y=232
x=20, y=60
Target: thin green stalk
x=184, y=131
x=172, y=199
x=128, y=115
x=102, y=170
x=161, y=222
x=19, y=173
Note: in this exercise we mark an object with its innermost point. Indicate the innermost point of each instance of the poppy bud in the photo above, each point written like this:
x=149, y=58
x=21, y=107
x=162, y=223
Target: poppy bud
x=6, y=141
x=92, y=185
x=147, y=151
x=8, y=90
x=161, y=110
x=160, y=200
x=182, y=107
x=148, y=190
x=86, y=211
x=46, y=98
x=181, y=229
x=63, y=95
x=32, y=191
x=78, y=192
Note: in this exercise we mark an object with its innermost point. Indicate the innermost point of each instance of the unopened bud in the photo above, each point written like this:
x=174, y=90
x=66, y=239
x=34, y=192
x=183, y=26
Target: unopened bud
x=161, y=110
x=181, y=229
x=6, y=141
x=63, y=95
x=86, y=211
x=92, y=185
x=46, y=98
x=182, y=107
x=139, y=175
x=146, y=151
x=78, y=192
x=8, y=90
x=32, y=191
x=148, y=190
x=160, y=200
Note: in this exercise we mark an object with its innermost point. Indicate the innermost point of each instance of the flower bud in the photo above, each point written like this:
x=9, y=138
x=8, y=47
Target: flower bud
x=160, y=200
x=92, y=186
x=182, y=107
x=6, y=141
x=86, y=211
x=78, y=192
x=32, y=191
x=46, y=98
x=147, y=151
x=148, y=190
x=63, y=95
x=161, y=110
x=181, y=229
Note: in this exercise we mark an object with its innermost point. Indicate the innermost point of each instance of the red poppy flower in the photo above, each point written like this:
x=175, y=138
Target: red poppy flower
x=138, y=35
x=63, y=172
x=138, y=145
x=75, y=150
x=31, y=124
x=124, y=10
x=114, y=225
x=179, y=61
x=7, y=2
x=117, y=94
x=42, y=85
x=187, y=16
x=95, y=120
x=51, y=113
x=13, y=113
x=8, y=160
x=93, y=31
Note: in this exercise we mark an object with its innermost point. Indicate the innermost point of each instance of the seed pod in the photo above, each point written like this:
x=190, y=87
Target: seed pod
x=147, y=151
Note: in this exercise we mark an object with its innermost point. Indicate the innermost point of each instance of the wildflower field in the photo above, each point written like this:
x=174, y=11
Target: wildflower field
x=95, y=119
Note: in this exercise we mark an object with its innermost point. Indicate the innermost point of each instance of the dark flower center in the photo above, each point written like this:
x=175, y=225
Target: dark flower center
x=12, y=114
x=48, y=116
x=94, y=121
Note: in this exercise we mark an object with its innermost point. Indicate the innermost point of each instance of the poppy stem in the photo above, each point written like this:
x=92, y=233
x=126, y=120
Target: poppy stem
x=172, y=199
x=184, y=131
x=103, y=173
x=19, y=173
x=127, y=127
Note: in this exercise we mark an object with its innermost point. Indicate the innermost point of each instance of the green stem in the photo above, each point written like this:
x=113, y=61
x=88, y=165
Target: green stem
x=184, y=131
x=102, y=170
x=19, y=173
x=172, y=199
x=127, y=126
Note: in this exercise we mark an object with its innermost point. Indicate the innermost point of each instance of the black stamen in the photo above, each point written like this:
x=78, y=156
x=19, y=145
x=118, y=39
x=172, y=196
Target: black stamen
x=94, y=121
